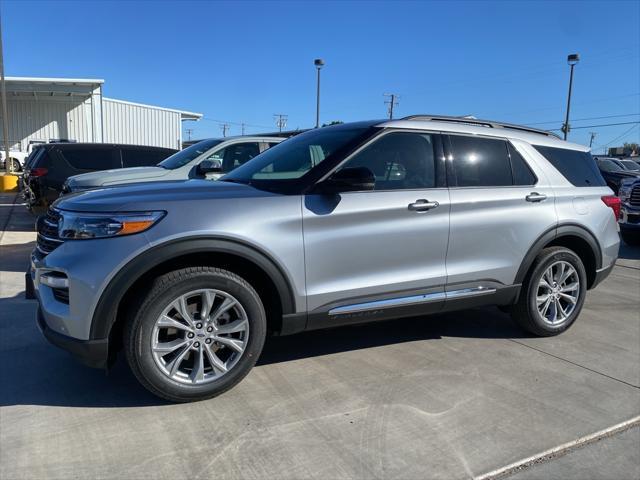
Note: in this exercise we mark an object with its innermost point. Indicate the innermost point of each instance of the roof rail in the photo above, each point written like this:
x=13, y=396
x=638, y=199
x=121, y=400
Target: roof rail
x=480, y=123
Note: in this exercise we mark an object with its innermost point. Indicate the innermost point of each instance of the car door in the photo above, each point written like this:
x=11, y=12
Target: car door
x=500, y=205
x=370, y=254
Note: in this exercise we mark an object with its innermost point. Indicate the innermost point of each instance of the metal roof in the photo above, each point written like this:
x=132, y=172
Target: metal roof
x=185, y=115
x=33, y=86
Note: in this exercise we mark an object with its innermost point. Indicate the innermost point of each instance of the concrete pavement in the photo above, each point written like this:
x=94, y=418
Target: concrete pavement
x=447, y=396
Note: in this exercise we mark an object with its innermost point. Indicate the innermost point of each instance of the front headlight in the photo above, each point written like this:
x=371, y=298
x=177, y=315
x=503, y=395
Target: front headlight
x=78, y=225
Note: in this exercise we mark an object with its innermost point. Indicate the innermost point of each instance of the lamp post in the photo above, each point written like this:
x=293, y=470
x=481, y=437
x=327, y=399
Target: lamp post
x=319, y=63
x=572, y=60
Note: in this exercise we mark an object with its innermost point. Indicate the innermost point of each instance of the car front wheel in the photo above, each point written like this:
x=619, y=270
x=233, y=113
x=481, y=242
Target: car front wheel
x=553, y=293
x=196, y=334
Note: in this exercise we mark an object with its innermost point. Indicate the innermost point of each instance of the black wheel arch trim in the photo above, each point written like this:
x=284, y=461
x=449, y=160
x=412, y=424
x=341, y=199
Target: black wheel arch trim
x=105, y=313
x=551, y=234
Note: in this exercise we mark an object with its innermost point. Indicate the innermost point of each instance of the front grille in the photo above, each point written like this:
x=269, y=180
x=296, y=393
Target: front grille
x=635, y=196
x=48, y=239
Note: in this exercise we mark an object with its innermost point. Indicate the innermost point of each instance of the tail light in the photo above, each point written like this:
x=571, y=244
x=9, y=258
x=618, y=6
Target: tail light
x=613, y=203
x=38, y=172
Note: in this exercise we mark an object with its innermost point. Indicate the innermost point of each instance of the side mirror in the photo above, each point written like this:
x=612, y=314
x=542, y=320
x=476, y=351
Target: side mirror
x=209, y=166
x=350, y=179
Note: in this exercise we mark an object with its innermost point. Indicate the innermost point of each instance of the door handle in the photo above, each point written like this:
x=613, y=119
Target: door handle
x=535, y=197
x=422, y=205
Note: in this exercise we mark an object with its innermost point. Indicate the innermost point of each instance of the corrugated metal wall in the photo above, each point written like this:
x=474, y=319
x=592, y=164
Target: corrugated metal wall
x=43, y=119
x=140, y=124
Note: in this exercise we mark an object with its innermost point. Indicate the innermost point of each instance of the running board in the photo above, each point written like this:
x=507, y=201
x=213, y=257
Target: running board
x=411, y=300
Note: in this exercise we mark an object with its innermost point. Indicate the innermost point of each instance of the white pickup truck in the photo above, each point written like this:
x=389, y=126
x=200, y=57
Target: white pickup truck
x=17, y=157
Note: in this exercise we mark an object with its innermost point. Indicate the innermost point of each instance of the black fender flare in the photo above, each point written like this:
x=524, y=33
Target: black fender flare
x=105, y=313
x=550, y=235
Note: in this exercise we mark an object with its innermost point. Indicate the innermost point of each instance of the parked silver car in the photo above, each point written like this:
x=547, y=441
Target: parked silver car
x=208, y=159
x=340, y=225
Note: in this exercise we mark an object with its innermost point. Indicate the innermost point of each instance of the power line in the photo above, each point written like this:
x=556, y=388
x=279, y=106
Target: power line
x=585, y=118
x=596, y=126
x=626, y=132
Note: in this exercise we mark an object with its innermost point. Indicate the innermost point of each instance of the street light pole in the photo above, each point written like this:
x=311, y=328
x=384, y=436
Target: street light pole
x=8, y=164
x=319, y=63
x=572, y=60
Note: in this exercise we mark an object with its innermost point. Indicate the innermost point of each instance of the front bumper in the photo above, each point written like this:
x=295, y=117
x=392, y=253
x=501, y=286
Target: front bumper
x=629, y=217
x=92, y=353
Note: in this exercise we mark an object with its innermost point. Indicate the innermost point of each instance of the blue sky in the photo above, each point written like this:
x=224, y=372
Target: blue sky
x=245, y=61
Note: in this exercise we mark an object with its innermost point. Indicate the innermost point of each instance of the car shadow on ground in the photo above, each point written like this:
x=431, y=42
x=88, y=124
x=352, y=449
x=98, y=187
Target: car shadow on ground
x=14, y=257
x=36, y=373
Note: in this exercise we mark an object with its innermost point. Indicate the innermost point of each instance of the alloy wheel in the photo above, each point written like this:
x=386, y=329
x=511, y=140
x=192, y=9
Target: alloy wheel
x=558, y=293
x=200, y=336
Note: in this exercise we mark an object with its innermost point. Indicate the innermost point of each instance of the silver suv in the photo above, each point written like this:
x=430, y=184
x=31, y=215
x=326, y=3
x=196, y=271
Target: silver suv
x=208, y=159
x=340, y=225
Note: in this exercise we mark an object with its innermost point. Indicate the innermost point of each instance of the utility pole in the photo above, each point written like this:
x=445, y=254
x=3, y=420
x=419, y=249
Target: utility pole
x=242, y=128
x=225, y=128
x=392, y=102
x=8, y=165
x=571, y=60
x=319, y=63
x=593, y=135
x=281, y=120
x=189, y=132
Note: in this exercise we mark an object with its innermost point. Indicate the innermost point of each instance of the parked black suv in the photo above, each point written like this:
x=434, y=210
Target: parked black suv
x=613, y=173
x=49, y=165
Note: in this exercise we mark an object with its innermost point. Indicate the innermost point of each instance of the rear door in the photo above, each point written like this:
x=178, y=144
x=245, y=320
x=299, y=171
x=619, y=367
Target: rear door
x=370, y=253
x=500, y=206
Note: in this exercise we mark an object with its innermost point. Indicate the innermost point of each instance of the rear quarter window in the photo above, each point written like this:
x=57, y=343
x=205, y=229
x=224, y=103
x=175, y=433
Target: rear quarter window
x=577, y=167
x=138, y=157
x=91, y=158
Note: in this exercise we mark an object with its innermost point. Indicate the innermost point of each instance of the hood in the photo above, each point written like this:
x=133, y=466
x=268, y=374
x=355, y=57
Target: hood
x=154, y=196
x=113, y=177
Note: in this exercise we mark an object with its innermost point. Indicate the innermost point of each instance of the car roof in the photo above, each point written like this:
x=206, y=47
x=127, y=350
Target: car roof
x=474, y=126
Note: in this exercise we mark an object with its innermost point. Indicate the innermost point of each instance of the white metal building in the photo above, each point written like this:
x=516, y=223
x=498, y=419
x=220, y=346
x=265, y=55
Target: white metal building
x=70, y=108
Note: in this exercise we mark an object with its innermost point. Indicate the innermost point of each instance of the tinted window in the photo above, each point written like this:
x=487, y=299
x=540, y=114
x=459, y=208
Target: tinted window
x=399, y=161
x=271, y=144
x=235, y=155
x=608, y=165
x=480, y=162
x=630, y=165
x=135, y=157
x=183, y=157
x=577, y=167
x=91, y=158
x=522, y=174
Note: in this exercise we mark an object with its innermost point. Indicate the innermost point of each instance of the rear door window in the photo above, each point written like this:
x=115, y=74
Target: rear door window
x=480, y=162
x=577, y=167
x=237, y=154
x=92, y=158
x=138, y=157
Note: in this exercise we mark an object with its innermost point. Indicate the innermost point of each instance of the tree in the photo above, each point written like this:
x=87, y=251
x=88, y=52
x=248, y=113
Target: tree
x=631, y=147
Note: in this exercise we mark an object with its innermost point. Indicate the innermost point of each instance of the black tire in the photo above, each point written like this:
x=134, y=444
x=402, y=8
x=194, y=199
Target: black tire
x=525, y=311
x=139, y=328
x=16, y=165
x=630, y=237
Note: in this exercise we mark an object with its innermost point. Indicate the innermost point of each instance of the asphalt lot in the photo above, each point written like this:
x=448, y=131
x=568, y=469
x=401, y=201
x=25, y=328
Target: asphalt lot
x=449, y=396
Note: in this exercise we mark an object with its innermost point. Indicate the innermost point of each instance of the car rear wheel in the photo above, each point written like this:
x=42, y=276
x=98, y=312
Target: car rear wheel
x=15, y=165
x=197, y=333
x=553, y=293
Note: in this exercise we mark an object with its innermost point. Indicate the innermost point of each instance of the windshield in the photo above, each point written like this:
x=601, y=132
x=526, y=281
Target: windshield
x=183, y=157
x=630, y=165
x=294, y=157
x=609, y=166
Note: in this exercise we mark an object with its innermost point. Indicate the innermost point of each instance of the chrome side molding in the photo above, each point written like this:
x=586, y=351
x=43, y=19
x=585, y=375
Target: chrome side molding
x=411, y=300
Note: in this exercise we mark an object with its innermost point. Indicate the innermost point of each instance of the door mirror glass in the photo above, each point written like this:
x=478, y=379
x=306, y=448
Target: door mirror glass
x=350, y=179
x=209, y=166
